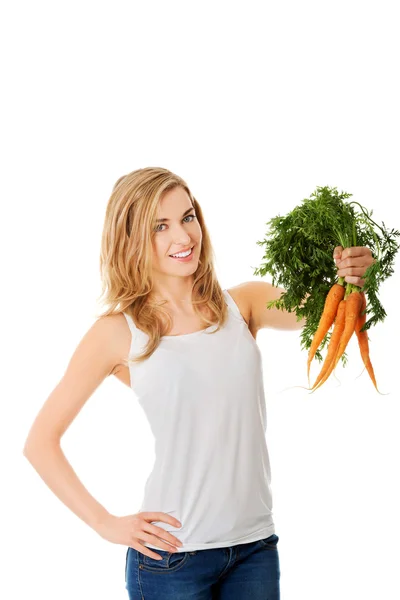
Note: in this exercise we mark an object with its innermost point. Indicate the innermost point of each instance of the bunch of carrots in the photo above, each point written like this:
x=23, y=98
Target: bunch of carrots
x=297, y=255
x=348, y=313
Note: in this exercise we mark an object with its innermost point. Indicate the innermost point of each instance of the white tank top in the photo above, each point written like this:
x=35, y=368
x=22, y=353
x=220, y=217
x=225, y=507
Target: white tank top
x=203, y=397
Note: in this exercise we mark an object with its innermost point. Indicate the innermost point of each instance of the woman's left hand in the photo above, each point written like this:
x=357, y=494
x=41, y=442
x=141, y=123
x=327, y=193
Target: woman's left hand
x=352, y=263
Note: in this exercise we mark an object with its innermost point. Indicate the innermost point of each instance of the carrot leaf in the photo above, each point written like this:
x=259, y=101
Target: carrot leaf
x=298, y=254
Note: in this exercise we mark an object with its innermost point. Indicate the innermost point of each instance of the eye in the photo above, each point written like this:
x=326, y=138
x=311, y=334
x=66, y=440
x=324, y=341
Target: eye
x=187, y=217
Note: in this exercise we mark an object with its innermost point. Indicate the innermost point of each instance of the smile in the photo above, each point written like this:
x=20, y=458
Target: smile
x=184, y=258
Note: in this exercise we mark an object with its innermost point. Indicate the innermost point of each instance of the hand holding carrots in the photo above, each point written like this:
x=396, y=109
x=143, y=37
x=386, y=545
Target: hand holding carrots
x=352, y=263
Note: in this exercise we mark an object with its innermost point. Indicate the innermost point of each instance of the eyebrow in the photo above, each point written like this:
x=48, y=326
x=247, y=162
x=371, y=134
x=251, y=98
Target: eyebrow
x=185, y=213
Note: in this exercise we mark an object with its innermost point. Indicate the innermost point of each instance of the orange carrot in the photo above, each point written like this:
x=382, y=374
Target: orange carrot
x=337, y=332
x=334, y=297
x=363, y=340
x=353, y=304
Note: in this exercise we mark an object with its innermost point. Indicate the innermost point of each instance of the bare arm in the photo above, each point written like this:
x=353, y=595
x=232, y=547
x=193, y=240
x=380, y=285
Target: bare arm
x=51, y=464
x=258, y=294
x=94, y=359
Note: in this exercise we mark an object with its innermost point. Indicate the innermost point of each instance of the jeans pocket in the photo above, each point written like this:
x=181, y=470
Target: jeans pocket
x=270, y=542
x=171, y=561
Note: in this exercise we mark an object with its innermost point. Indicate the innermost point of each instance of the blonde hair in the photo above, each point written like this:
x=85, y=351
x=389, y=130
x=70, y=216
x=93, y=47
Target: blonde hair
x=126, y=257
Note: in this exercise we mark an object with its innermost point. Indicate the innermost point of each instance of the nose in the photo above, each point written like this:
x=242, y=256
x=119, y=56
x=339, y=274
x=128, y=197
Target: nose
x=181, y=237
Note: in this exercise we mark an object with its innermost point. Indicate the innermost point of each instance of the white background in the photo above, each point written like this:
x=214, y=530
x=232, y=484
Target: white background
x=254, y=104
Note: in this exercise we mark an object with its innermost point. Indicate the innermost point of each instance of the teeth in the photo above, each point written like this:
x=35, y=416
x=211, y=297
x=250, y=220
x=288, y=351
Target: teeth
x=182, y=254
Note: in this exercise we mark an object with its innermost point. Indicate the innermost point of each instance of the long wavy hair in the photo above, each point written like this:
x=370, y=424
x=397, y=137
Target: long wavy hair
x=126, y=258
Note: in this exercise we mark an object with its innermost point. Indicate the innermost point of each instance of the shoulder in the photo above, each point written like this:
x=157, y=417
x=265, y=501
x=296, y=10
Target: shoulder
x=240, y=295
x=113, y=332
x=111, y=325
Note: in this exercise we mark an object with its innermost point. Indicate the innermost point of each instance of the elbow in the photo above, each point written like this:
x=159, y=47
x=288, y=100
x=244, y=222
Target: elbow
x=33, y=450
x=26, y=448
x=27, y=452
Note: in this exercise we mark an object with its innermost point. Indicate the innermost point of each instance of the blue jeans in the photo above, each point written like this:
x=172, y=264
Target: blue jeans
x=241, y=572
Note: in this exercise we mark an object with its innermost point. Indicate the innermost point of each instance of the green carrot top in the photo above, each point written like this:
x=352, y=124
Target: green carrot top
x=298, y=253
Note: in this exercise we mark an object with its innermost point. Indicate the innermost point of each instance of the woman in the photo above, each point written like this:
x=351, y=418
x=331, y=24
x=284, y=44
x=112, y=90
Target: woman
x=188, y=350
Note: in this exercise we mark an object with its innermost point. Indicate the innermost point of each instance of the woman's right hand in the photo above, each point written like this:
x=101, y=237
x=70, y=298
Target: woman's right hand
x=134, y=529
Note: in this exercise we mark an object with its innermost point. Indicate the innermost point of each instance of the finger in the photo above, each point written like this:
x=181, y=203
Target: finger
x=354, y=251
x=161, y=533
x=146, y=551
x=351, y=272
x=156, y=541
x=337, y=252
x=352, y=261
x=355, y=281
x=160, y=516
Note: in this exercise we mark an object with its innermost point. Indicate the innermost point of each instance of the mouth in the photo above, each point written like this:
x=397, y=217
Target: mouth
x=184, y=257
x=180, y=252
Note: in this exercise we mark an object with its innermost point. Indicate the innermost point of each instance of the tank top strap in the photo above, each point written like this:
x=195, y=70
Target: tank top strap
x=232, y=304
x=131, y=325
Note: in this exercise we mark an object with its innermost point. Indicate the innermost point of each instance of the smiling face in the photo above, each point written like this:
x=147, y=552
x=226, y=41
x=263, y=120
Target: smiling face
x=177, y=229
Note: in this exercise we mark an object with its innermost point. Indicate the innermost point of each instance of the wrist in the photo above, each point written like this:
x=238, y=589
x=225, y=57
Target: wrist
x=99, y=520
